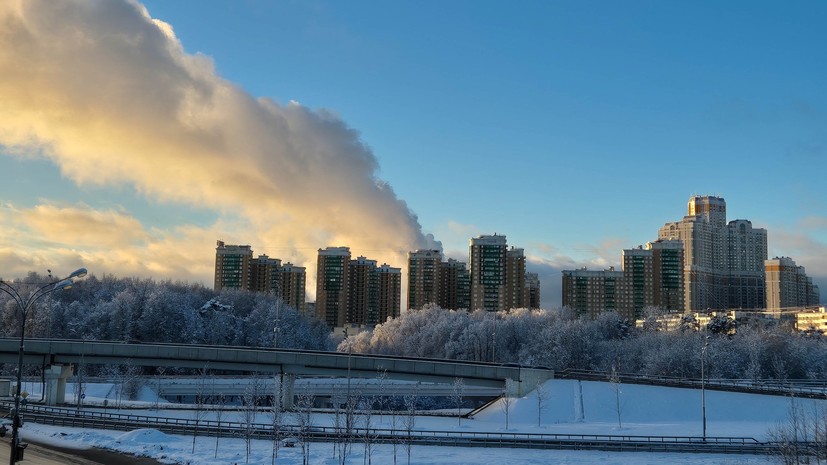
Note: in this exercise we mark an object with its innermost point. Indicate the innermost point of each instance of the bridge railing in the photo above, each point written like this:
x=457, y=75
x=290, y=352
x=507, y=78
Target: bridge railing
x=89, y=417
x=809, y=388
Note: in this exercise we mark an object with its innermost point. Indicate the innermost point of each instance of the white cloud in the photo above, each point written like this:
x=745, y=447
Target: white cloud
x=108, y=94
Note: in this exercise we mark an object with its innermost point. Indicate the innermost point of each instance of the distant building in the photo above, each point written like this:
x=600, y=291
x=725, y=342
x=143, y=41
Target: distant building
x=355, y=293
x=235, y=268
x=590, y=293
x=332, y=285
x=454, y=285
x=488, y=273
x=811, y=320
x=531, y=297
x=651, y=277
x=389, y=293
x=265, y=275
x=232, y=266
x=293, y=282
x=722, y=262
x=788, y=285
x=515, y=279
x=362, y=292
x=423, y=278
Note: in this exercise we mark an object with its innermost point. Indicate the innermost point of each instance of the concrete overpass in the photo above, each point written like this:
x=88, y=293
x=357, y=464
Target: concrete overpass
x=57, y=357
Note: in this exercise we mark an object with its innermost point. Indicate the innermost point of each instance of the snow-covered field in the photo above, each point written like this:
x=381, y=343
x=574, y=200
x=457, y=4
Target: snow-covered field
x=574, y=408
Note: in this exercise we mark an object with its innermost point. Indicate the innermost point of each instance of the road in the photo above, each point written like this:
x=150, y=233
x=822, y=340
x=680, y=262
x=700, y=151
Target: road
x=39, y=454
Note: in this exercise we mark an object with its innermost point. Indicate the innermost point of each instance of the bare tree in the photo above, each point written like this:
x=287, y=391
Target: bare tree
x=543, y=392
x=409, y=421
x=304, y=420
x=218, y=407
x=507, y=401
x=457, y=394
x=159, y=372
x=614, y=382
x=80, y=383
x=802, y=439
x=200, y=410
x=248, y=414
x=276, y=418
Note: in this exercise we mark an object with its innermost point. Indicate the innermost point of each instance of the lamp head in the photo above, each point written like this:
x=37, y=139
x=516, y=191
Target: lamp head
x=79, y=273
x=64, y=285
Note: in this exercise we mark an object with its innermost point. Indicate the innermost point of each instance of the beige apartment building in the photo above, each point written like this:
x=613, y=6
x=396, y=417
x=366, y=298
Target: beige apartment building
x=591, y=292
x=722, y=261
x=232, y=266
x=293, y=282
x=515, y=278
x=788, y=286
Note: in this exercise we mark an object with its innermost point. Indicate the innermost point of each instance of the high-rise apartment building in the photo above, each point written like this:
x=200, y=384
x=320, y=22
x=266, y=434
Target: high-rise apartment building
x=590, y=293
x=232, y=266
x=746, y=253
x=362, y=292
x=332, y=285
x=651, y=277
x=788, y=285
x=720, y=259
x=667, y=275
x=235, y=268
x=293, y=281
x=488, y=273
x=454, y=285
x=532, y=291
x=515, y=278
x=355, y=291
x=423, y=278
x=389, y=293
x=265, y=275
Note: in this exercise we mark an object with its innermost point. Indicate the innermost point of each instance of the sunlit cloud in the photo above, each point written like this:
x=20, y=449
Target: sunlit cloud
x=108, y=94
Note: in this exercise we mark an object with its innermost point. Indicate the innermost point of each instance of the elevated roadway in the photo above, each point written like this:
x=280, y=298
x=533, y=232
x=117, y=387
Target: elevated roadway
x=293, y=363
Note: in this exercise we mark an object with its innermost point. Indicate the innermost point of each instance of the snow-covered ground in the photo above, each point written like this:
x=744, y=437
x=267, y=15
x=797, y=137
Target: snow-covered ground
x=573, y=408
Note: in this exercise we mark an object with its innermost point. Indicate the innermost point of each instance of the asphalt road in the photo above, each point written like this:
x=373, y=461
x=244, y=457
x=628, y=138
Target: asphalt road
x=39, y=454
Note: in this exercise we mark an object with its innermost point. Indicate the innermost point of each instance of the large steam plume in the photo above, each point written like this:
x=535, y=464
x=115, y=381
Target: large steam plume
x=108, y=94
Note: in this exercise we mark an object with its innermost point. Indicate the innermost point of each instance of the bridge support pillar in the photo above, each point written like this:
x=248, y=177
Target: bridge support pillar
x=56, y=376
x=287, y=390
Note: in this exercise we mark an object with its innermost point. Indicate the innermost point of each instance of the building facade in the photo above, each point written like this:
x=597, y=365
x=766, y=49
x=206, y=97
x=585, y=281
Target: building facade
x=332, y=285
x=232, y=266
x=651, y=277
x=265, y=275
x=389, y=293
x=532, y=291
x=589, y=293
x=423, y=278
x=454, y=282
x=515, y=280
x=488, y=273
x=720, y=260
x=788, y=286
x=362, y=292
x=293, y=282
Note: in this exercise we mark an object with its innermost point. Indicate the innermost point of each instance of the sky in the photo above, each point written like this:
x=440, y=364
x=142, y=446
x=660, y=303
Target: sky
x=135, y=135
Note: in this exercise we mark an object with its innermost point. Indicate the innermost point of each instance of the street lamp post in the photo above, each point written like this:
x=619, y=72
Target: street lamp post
x=703, y=386
x=23, y=305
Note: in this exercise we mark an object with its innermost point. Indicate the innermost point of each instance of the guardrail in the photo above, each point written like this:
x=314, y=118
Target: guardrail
x=816, y=389
x=119, y=421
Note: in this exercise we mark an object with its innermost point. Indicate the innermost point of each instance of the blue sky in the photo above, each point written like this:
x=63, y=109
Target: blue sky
x=575, y=128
